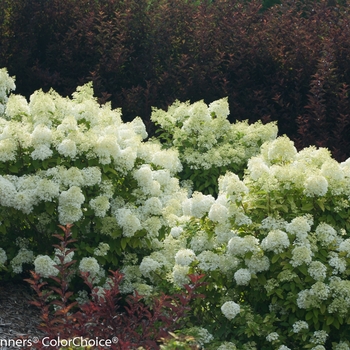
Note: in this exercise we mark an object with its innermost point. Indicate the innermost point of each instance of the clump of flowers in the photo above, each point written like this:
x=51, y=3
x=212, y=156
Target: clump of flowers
x=71, y=160
x=207, y=142
x=271, y=246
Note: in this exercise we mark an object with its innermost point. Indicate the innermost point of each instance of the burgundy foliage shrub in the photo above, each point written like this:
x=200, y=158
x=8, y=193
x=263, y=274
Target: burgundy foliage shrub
x=288, y=63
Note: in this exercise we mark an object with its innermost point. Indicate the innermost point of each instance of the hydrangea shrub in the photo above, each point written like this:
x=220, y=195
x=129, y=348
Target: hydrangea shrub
x=274, y=248
x=208, y=144
x=73, y=161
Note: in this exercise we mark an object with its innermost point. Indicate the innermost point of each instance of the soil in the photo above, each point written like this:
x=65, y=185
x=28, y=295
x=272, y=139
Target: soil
x=17, y=317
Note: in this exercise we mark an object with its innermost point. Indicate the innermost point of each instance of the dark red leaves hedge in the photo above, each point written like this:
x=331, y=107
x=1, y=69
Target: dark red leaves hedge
x=288, y=63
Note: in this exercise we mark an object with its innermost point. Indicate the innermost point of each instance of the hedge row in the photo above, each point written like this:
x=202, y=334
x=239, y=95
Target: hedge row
x=287, y=64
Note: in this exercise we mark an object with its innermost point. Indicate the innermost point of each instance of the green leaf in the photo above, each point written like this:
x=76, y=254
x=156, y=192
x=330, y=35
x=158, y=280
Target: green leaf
x=330, y=320
x=275, y=258
x=13, y=169
x=309, y=315
x=123, y=243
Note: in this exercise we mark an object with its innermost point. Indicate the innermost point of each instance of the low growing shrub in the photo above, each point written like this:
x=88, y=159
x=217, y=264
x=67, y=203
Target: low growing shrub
x=103, y=319
x=275, y=251
x=74, y=161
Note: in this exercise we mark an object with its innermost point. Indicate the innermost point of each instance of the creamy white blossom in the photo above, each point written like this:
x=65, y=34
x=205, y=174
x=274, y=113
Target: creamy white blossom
x=45, y=266
x=315, y=185
x=242, y=277
x=3, y=257
x=230, y=309
x=90, y=265
x=185, y=257
x=276, y=241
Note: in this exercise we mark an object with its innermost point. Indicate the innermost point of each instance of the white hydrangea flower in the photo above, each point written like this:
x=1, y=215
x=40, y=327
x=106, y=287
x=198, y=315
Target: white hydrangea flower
x=16, y=105
x=325, y=233
x=69, y=214
x=202, y=336
x=344, y=247
x=228, y=263
x=68, y=148
x=257, y=168
x=231, y=184
x=319, y=337
x=342, y=346
x=102, y=249
x=198, y=205
x=180, y=275
x=281, y=150
x=185, y=257
x=257, y=263
x=73, y=196
x=270, y=223
x=227, y=346
x=317, y=270
x=242, y=277
x=149, y=265
x=299, y=226
x=298, y=326
x=47, y=190
x=239, y=246
x=283, y=347
x=276, y=241
x=176, y=231
x=100, y=205
x=3, y=257
x=339, y=264
x=230, y=309
x=67, y=257
x=218, y=213
x=128, y=220
x=152, y=206
x=220, y=108
x=315, y=185
x=8, y=149
x=90, y=265
x=24, y=256
x=45, y=266
x=208, y=260
x=272, y=336
x=93, y=176
x=301, y=255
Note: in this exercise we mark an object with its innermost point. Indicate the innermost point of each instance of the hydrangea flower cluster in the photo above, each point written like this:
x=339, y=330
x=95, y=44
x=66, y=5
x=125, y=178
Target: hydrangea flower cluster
x=73, y=161
x=3, y=257
x=207, y=139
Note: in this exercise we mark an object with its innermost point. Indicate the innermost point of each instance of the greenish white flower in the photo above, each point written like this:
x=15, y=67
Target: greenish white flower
x=100, y=205
x=276, y=241
x=317, y=270
x=24, y=256
x=185, y=257
x=298, y=326
x=3, y=257
x=239, y=246
x=315, y=185
x=176, y=231
x=102, y=249
x=180, y=275
x=149, y=265
x=90, y=265
x=227, y=346
x=301, y=255
x=242, y=277
x=45, y=266
x=230, y=309
x=319, y=337
x=272, y=337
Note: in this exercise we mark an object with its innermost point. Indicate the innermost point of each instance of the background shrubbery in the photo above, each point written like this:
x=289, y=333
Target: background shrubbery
x=287, y=63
